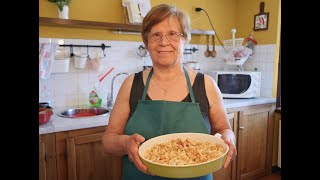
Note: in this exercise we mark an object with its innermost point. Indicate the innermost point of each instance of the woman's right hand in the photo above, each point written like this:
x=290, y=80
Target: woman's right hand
x=132, y=147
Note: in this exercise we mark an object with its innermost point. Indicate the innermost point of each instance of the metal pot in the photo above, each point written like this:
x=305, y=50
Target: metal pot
x=44, y=115
x=44, y=105
x=142, y=52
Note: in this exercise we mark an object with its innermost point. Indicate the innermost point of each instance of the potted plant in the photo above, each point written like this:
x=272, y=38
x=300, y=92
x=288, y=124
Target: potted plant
x=63, y=7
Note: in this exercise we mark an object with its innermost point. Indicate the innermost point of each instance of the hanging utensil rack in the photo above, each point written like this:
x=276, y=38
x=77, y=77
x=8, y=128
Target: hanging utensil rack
x=191, y=50
x=102, y=46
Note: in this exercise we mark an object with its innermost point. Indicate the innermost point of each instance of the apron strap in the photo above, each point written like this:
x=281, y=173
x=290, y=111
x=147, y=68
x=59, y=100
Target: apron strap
x=144, y=95
x=189, y=84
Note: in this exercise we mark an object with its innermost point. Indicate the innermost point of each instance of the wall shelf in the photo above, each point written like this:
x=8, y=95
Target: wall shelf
x=46, y=21
x=202, y=32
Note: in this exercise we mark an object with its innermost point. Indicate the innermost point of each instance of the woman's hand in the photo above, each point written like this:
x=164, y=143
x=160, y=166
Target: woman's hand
x=132, y=147
x=232, y=153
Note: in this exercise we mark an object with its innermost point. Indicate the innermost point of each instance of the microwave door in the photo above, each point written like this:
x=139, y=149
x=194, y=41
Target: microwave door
x=234, y=83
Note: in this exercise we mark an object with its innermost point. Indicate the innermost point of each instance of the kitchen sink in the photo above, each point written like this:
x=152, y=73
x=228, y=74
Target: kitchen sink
x=83, y=112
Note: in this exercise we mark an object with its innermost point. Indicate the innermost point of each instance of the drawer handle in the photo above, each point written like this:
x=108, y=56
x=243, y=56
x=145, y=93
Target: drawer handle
x=241, y=127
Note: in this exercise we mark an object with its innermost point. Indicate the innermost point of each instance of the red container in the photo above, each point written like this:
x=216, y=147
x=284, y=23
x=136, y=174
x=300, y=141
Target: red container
x=44, y=115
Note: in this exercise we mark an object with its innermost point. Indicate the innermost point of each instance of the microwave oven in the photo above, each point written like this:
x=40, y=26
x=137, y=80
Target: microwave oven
x=237, y=84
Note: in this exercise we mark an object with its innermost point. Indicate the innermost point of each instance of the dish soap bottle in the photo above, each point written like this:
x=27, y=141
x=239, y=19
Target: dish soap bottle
x=95, y=99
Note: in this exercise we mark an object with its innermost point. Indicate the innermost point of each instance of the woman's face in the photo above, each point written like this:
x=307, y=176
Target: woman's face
x=162, y=51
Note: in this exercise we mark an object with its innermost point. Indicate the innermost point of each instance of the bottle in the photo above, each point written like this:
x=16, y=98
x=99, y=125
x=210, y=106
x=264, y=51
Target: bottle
x=95, y=99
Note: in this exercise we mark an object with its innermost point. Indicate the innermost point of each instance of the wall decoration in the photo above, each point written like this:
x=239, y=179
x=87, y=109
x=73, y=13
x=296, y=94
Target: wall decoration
x=261, y=20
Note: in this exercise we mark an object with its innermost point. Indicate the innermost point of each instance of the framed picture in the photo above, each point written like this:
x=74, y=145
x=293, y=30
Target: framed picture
x=261, y=21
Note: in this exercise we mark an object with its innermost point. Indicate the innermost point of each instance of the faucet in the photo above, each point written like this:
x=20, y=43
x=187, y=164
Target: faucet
x=110, y=99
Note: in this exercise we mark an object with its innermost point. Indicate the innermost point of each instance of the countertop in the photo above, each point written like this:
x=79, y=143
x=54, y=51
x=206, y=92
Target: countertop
x=58, y=124
x=234, y=103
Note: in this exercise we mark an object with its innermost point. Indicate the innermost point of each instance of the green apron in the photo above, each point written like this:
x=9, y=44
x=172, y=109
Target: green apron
x=155, y=118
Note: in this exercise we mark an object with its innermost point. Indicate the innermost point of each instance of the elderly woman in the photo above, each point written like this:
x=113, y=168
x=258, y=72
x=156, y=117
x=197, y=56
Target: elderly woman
x=167, y=98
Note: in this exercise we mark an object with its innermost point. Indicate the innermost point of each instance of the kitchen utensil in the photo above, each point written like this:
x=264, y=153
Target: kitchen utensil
x=207, y=53
x=83, y=112
x=95, y=63
x=183, y=171
x=231, y=43
x=142, y=52
x=213, y=52
x=44, y=104
x=101, y=77
x=44, y=115
x=80, y=60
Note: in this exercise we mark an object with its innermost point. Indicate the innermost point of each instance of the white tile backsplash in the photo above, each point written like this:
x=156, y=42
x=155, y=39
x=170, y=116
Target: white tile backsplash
x=83, y=98
x=72, y=100
x=72, y=88
x=60, y=101
x=72, y=84
x=60, y=85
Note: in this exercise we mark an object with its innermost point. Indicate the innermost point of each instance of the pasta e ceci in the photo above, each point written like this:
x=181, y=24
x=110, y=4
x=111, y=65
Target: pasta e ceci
x=183, y=152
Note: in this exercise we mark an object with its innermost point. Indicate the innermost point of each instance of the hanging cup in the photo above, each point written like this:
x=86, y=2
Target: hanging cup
x=80, y=60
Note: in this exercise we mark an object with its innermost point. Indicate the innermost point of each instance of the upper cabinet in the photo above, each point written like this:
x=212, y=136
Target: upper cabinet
x=45, y=21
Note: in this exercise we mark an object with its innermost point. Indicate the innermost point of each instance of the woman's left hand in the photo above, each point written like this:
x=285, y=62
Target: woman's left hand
x=232, y=153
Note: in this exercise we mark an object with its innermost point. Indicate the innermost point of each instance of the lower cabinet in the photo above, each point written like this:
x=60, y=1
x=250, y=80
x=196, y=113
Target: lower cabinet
x=276, y=136
x=255, y=141
x=228, y=173
x=78, y=154
x=47, y=157
x=253, y=128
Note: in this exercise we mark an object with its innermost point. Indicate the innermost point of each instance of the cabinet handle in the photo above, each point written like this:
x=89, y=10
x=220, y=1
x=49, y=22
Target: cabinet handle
x=241, y=127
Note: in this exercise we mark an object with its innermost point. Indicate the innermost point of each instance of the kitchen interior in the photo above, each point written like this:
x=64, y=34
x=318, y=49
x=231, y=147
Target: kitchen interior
x=97, y=46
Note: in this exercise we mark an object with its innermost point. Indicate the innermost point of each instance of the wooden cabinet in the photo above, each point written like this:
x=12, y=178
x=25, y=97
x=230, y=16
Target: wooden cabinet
x=254, y=132
x=86, y=159
x=276, y=134
x=253, y=128
x=80, y=156
x=47, y=157
x=230, y=172
x=255, y=137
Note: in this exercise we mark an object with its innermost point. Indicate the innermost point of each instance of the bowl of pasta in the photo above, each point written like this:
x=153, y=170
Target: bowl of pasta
x=183, y=155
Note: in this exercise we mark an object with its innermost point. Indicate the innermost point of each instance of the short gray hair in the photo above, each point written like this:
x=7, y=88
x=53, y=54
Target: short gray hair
x=161, y=12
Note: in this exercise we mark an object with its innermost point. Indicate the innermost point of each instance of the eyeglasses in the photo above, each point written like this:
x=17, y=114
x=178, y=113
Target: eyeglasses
x=171, y=36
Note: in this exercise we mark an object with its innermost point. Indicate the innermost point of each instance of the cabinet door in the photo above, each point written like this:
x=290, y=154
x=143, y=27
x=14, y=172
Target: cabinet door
x=47, y=157
x=254, y=143
x=86, y=159
x=229, y=172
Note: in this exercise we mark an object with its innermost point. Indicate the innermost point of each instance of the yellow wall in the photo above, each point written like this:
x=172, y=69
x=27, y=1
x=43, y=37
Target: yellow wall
x=224, y=14
x=245, y=11
x=275, y=75
x=221, y=12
